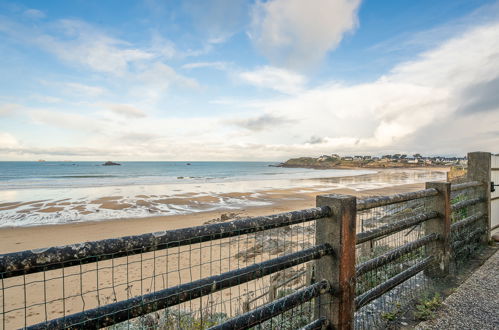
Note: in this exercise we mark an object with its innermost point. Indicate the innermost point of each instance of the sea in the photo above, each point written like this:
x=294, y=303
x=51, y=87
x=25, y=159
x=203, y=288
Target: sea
x=22, y=175
x=45, y=192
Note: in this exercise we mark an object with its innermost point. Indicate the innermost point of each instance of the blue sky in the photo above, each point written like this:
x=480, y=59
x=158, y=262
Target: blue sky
x=246, y=80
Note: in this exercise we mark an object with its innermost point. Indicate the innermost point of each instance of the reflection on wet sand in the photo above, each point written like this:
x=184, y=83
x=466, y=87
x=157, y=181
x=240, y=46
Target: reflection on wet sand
x=56, y=206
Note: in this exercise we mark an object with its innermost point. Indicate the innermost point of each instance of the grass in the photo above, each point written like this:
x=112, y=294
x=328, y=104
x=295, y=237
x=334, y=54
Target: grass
x=392, y=315
x=427, y=307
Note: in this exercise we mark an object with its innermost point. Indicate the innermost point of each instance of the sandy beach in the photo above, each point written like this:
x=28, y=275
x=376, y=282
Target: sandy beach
x=25, y=238
x=78, y=288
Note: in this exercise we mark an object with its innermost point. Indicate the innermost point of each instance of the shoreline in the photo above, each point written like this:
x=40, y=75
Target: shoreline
x=33, y=237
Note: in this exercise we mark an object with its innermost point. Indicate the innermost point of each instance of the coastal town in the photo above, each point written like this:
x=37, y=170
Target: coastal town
x=384, y=161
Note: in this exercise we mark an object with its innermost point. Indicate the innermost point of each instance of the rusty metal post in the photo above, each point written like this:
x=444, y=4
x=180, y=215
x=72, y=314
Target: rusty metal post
x=479, y=170
x=338, y=230
x=439, y=249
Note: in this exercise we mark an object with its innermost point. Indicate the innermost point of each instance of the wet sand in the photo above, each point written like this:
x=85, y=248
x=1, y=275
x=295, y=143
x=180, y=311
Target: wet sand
x=25, y=238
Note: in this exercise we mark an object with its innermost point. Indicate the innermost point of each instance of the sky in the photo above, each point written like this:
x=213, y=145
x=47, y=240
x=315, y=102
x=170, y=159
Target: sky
x=247, y=80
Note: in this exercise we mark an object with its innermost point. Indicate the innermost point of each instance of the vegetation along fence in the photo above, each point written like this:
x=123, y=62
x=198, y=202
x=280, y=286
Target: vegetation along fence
x=342, y=264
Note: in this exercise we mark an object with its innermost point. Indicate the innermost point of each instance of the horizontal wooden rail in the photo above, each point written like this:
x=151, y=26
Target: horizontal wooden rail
x=386, y=286
x=462, y=204
x=32, y=261
x=268, y=311
x=474, y=235
x=395, y=227
x=394, y=254
x=465, y=185
x=466, y=221
x=372, y=202
x=117, y=312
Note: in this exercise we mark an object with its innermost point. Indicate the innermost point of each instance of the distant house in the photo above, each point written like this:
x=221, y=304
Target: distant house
x=350, y=158
x=335, y=156
x=323, y=158
x=412, y=161
x=357, y=158
x=367, y=157
x=375, y=158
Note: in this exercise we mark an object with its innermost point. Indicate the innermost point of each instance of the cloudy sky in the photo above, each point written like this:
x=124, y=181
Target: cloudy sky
x=247, y=80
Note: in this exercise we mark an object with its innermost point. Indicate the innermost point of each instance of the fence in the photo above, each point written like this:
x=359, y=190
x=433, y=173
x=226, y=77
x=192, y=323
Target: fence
x=344, y=264
x=494, y=196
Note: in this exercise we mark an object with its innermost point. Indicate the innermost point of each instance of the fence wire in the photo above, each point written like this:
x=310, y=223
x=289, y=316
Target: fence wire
x=102, y=279
x=378, y=312
x=49, y=294
x=466, y=242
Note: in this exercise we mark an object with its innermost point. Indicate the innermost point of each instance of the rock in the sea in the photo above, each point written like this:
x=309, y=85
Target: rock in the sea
x=110, y=164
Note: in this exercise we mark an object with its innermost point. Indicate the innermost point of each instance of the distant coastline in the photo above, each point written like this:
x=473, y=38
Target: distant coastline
x=363, y=162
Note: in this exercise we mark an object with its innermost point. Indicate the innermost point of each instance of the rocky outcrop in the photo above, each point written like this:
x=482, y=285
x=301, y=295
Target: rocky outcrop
x=110, y=164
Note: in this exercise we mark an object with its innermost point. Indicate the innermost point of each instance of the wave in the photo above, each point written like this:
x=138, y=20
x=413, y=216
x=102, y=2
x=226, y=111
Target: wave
x=86, y=176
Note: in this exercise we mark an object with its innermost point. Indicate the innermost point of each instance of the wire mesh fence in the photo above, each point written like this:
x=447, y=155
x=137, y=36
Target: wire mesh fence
x=377, y=312
x=99, y=280
x=197, y=278
x=467, y=205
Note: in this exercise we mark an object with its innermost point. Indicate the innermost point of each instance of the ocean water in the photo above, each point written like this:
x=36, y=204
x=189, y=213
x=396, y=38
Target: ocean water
x=29, y=175
x=40, y=193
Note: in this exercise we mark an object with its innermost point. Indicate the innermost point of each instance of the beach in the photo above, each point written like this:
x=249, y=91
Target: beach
x=259, y=201
x=93, y=284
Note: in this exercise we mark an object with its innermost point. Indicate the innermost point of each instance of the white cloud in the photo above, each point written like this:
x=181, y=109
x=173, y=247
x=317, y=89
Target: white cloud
x=47, y=99
x=82, y=89
x=126, y=110
x=79, y=43
x=87, y=46
x=395, y=111
x=299, y=33
x=218, y=20
x=281, y=80
x=34, y=13
x=154, y=81
x=8, y=141
x=124, y=68
x=65, y=120
x=9, y=109
x=215, y=65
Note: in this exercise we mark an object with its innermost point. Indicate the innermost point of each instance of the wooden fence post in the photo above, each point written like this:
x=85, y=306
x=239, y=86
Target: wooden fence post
x=479, y=170
x=338, y=230
x=439, y=249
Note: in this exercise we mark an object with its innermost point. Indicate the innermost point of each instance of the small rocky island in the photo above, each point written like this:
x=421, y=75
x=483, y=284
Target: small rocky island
x=385, y=161
x=110, y=164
